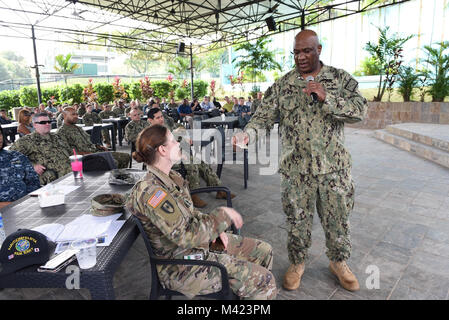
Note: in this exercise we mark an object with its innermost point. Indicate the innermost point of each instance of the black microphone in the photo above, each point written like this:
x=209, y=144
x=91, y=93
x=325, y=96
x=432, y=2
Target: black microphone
x=313, y=94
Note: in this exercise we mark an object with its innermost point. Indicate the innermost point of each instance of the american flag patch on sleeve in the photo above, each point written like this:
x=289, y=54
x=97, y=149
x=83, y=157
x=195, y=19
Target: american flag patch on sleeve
x=157, y=197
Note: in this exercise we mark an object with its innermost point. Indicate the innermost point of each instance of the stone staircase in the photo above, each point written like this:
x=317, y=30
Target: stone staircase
x=428, y=141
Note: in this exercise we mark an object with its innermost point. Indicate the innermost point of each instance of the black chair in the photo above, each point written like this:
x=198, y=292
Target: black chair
x=156, y=288
x=100, y=161
x=95, y=135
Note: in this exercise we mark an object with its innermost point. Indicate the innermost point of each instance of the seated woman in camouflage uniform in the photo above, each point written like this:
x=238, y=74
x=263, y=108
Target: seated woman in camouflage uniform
x=17, y=175
x=161, y=200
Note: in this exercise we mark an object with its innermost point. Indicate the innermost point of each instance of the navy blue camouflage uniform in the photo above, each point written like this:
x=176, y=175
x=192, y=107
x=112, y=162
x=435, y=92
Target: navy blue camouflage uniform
x=17, y=176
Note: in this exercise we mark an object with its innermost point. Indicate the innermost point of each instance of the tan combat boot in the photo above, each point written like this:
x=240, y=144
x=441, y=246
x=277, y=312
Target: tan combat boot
x=197, y=202
x=292, y=277
x=222, y=195
x=344, y=274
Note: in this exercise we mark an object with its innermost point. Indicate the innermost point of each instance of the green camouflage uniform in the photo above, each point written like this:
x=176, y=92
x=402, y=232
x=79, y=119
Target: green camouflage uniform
x=60, y=120
x=89, y=119
x=315, y=166
x=118, y=112
x=169, y=122
x=81, y=111
x=256, y=103
x=47, y=150
x=105, y=133
x=176, y=229
x=203, y=170
x=133, y=129
x=77, y=139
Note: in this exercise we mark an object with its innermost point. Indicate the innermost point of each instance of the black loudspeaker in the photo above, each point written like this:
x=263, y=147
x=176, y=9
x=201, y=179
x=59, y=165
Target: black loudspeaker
x=271, y=23
x=181, y=47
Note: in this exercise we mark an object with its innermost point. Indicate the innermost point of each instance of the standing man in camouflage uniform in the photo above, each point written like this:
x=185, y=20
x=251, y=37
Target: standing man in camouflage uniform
x=315, y=166
x=45, y=150
x=90, y=118
x=77, y=139
x=107, y=114
x=176, y=230
x=134, y=127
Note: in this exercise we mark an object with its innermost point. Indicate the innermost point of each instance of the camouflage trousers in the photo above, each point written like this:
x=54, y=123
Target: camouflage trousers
x=203, y=170
x=333, y=196
x=248, y=262
x=121, y=158
x=105, y=135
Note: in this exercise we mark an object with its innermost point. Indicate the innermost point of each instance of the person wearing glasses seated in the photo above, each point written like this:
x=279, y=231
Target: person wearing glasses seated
x=17, y=175
x=45, y=150
x=25, y=125
x=76, y=138
x=176, y=230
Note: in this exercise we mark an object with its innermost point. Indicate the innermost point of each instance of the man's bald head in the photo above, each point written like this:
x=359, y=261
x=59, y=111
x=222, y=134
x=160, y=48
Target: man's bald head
x=306, y=34
x=307, y=50
x=70, y=115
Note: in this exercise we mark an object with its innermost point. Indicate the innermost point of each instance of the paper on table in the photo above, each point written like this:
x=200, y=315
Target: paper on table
x=63, y=188
x=51, y=230
x=87, y=226
x=114, y=228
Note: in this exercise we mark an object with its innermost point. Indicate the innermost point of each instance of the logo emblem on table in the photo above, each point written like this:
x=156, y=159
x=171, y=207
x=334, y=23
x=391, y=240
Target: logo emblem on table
x=22, y=245
x=168, y=207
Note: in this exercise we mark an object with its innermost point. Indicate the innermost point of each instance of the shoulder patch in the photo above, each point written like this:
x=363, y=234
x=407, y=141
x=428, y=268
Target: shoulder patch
x=351, y=85
x=157, y=198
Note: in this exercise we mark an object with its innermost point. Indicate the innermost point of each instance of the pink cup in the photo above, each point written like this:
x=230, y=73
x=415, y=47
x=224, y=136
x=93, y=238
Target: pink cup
x=77, y=166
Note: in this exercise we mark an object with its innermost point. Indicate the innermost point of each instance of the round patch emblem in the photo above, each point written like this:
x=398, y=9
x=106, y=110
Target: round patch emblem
x=22, y=245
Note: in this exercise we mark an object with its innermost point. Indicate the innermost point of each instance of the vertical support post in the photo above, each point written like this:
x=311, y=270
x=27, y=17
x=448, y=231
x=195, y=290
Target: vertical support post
x=191, y=72
x=36, y=66
x=303, y=19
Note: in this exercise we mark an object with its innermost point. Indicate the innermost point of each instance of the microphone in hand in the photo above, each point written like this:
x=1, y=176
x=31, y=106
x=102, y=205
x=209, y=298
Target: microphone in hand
x=312, y=94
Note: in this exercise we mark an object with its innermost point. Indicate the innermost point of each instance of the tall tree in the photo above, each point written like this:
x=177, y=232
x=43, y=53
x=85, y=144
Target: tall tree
x=180, y=66
x=256, y=58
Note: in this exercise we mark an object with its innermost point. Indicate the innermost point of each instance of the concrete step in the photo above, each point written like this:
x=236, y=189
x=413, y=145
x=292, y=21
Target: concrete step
x=431, y=135
x=420, y=149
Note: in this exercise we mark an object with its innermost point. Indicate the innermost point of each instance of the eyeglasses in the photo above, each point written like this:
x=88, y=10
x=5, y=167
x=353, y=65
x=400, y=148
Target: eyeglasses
x=43, y=122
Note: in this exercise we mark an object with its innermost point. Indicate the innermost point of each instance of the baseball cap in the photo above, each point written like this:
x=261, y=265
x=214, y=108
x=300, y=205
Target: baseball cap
x=23, y=248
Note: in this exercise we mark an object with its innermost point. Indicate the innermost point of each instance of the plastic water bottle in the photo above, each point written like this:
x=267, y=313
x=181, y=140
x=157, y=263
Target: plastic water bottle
x=2, y=231
x=223, y=117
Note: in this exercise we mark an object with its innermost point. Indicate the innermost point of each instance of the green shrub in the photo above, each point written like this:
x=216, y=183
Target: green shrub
x=408, y=80
x=105, y=92
x=71, y=94
x=162, y=88
x=9, y=99
x=136, y=93
x=47, y=93
x=182, y=93
x=199, y=88
x=28, y=96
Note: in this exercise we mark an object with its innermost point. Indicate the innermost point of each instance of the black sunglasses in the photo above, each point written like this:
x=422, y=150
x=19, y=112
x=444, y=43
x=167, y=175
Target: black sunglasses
x=43, y=122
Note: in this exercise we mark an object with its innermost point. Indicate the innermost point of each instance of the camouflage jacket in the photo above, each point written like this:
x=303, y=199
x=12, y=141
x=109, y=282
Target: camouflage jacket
x=106, y=114
x=17, y=176
x=175, y=228
x=81, y=112
x=256, y=103
x=76, y=138
x=119, y=112
x=90, y=118
x=133, y=128
x=47, y=150
x=312, y=134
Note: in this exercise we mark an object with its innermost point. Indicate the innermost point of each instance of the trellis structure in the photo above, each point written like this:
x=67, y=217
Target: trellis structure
x=161, y=25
